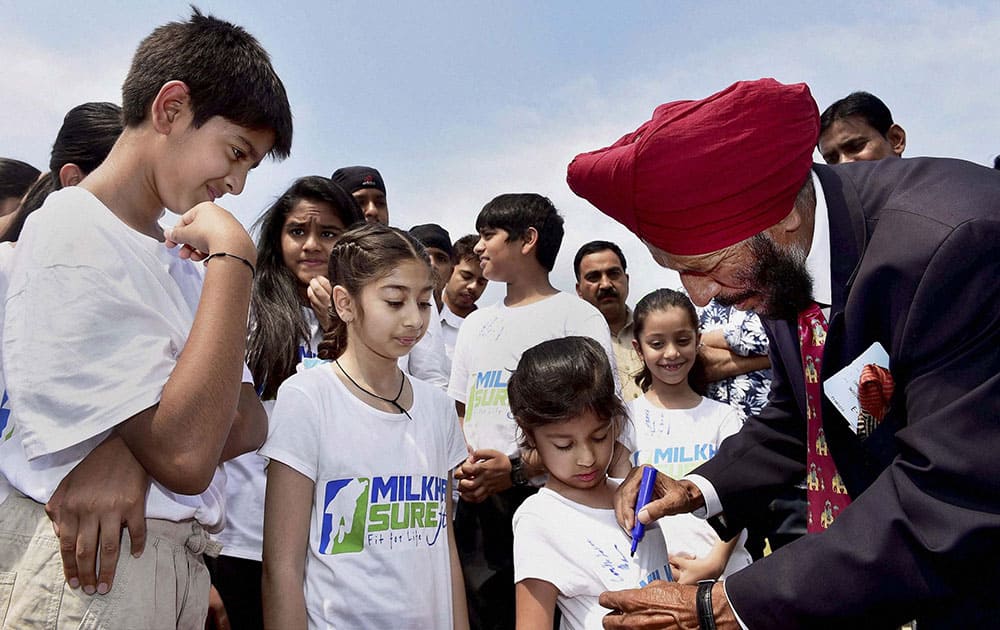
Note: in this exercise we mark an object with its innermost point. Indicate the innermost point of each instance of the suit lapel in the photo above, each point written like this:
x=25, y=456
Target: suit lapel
x=847, y=235
x=858, y=462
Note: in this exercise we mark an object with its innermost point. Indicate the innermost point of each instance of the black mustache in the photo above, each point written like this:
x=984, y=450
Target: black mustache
x=609, y=292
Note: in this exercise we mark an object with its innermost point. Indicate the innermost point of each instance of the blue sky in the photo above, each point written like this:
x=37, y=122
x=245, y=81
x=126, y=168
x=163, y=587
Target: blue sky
x=456, y=102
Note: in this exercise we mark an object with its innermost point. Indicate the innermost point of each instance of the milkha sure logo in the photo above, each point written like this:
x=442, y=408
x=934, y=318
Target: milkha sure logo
x=393, y=512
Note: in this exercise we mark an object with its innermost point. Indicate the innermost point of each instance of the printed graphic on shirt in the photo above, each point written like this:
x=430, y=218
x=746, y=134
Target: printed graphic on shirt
x=679, y=456
x=394, y=512
x=675, y=461
x=488, y=390
x=5, y=434
x=344, y=516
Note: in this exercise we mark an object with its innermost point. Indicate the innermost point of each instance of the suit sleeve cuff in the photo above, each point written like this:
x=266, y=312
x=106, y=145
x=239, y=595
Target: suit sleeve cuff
x=733, y=608
x=713, y=506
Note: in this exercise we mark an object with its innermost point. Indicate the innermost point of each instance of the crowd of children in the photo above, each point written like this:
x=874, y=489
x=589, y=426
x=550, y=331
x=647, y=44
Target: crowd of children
x=328, y=408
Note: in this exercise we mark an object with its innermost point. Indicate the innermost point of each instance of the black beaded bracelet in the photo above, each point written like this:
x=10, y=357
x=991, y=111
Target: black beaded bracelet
x=706, y=616
x=253, y=272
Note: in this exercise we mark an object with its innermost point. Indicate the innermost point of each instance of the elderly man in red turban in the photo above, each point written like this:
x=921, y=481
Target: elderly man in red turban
x=878, y=282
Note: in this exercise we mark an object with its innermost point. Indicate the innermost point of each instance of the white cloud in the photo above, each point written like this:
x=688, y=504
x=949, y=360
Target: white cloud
x=41, y=84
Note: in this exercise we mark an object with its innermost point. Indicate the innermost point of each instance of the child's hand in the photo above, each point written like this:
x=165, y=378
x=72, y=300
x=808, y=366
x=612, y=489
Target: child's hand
x=689, y=570
x=484, y=474
x=105, y=491
x=218, y=618
x=320, y=296
x=206, y=229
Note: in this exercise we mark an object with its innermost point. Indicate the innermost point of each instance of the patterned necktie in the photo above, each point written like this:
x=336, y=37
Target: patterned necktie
x=826, y=492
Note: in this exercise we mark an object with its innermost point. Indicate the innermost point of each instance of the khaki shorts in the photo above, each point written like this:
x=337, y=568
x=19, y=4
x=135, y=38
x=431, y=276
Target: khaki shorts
x=166, y=587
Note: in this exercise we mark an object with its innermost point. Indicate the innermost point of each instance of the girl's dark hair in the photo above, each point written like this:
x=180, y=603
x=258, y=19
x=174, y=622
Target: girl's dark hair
x=16, y=178
x=661, y=300
x=87, y=134
x=277, y=326
x=360, y=257
x=33, y=200
x=559, y=379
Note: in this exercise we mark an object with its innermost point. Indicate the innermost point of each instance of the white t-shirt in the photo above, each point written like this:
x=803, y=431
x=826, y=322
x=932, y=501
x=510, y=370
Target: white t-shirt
x=246, y=484
x=246, y=480
x=489, y=347
x=675, y=442
x=583, y=552
x=428, y=360
x=96, y=315
x=6, y=428
x=450, y=325
x=378, y=553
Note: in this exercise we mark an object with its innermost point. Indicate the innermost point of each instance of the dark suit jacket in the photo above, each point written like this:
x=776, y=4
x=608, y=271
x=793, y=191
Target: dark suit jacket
x=915, y=248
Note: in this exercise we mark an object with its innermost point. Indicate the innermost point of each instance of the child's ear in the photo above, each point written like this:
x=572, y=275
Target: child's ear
x=343, y=304
x=635, y=346
x=70, y=175
x=529, y=240
x=173, y=99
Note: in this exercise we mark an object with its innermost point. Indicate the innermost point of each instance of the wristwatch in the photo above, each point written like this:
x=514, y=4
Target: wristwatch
x=517, y=472
x=703, y=601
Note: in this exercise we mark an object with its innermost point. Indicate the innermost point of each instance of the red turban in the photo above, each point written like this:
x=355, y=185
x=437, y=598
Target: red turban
x=703, y=175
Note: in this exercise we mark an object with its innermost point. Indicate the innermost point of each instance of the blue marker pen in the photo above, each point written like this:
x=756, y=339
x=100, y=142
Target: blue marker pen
x=645, y=494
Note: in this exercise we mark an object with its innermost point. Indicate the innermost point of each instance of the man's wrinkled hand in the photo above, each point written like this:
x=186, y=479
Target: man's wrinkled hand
x=664, y=605
x=669, y=497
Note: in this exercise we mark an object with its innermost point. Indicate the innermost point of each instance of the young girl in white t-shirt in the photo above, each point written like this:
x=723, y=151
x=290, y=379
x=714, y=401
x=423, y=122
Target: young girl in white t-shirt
x=358, y=510
x=674, y=428
x=289, y=310
x=568, y=547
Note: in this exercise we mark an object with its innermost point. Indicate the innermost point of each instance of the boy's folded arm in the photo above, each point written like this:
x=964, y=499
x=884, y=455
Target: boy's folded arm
x=180, y=440
x=105, y=491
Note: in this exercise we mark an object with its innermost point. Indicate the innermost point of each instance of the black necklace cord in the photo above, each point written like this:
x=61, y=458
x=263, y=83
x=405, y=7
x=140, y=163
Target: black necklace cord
x=392, y=401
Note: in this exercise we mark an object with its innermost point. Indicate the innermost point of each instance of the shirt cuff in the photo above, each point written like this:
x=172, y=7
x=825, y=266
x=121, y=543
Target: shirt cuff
x=733, y=608
x=713, y=505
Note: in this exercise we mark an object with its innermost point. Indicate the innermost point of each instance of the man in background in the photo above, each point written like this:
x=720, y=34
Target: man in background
x=859, y=127
x=602, y=281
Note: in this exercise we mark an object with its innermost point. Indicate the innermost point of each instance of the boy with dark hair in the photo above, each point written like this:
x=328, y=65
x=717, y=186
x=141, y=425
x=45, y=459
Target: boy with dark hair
x=437, y=242
x=139, y=397
x=519, y=239
x=516, y=214
x=461, y=292
x=367, y=187
x=859, y=127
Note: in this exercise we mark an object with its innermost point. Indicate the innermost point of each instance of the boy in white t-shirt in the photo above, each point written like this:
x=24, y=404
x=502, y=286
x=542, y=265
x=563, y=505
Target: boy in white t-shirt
x=124, y=376
x=520, y=235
